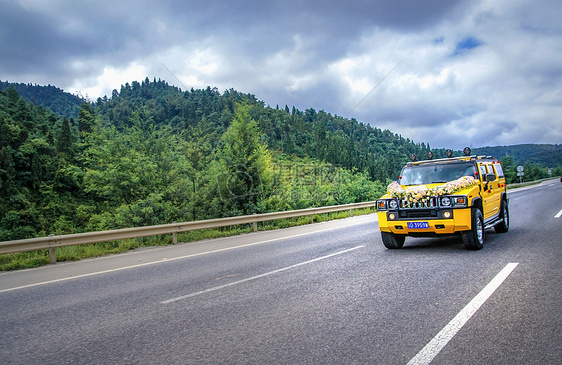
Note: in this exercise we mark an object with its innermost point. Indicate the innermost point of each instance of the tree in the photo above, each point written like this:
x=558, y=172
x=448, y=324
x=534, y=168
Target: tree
x=509, y=169
x=64, y=141
x=246, y=163
x=7, y=175
x=137, y=176
x=86, y=119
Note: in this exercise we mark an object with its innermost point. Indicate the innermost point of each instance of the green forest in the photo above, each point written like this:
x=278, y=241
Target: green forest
x=50, y=97
x=154, y=154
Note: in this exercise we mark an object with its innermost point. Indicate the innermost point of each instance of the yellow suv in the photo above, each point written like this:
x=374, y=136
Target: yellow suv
x=451, y=196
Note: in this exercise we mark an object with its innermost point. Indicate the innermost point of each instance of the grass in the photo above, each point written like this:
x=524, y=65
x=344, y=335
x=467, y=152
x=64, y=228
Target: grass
x=31, y=259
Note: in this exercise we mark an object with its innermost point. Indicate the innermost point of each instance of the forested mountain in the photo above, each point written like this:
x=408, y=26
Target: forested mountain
x=152, y=154
x=545, y=155
x=61, y=103
x=320, y=135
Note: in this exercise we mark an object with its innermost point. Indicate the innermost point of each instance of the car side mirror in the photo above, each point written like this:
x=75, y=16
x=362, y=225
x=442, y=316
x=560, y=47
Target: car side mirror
x=490, y=177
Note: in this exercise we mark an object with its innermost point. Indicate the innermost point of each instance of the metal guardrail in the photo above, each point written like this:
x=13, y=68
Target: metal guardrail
x=52, y=242
x=527, y=183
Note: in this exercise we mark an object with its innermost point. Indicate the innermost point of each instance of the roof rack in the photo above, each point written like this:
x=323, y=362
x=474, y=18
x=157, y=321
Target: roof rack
x=466, y=157
x=461, y=158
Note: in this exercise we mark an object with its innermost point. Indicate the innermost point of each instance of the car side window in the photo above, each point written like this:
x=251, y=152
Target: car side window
x=483, y=171
x=499, y=170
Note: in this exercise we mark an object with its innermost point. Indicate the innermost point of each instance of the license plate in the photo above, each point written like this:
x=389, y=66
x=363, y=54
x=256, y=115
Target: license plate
x=418, y=225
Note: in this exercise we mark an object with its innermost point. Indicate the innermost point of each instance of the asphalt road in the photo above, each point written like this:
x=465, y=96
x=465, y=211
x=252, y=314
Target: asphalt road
x=327, y=293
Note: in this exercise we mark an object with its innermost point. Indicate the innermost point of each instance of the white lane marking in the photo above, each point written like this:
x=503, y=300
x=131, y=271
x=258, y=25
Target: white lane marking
x=173, y=258
x=257, y=276
x=428, y=353
x=559, y=214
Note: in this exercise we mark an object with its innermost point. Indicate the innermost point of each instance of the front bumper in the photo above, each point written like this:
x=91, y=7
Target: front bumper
x=460, y=221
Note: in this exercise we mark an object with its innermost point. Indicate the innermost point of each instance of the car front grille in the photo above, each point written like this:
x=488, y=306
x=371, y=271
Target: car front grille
x=430, y=202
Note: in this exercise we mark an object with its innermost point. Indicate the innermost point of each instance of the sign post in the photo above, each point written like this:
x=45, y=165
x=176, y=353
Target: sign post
x=520, y=173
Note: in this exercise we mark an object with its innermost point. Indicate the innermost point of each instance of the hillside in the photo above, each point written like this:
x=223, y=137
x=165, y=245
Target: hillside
x=545, y=155
x=61, y=103
x=309, y=133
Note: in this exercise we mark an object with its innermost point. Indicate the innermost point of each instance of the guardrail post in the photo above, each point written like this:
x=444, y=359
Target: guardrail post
x=351, y=212
x=312, y=218
x=52, y=253
x=174, y=237
x=52, y=256
x=255, y=225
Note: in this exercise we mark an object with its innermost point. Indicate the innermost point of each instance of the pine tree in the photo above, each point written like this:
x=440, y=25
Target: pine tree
x=246, y=161
x=64, y=141
x=86, y=119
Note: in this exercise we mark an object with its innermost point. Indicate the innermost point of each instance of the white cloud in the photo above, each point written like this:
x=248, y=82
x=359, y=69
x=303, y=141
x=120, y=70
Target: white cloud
x=110, y=79
x=193, y=65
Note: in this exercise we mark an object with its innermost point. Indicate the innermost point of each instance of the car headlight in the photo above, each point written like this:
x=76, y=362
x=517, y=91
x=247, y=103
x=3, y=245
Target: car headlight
x=456, y=201
x=392, y=204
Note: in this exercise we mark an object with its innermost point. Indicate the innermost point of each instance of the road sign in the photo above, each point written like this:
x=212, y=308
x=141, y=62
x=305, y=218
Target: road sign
x=520, y=173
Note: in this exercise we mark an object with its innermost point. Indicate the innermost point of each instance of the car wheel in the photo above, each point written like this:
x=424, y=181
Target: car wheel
x=503, y=226
x=392, y=241
x=474, y=239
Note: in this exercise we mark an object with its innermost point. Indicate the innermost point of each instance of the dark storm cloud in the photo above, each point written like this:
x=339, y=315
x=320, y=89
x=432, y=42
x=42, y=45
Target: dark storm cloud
x=72, y=40
x=47, y=42
x=328, y=29
x=29, y=40
x=466, y=63
x=49, y=38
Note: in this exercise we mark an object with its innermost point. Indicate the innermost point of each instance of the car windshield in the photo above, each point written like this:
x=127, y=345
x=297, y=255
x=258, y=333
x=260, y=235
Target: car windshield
x=436, y=173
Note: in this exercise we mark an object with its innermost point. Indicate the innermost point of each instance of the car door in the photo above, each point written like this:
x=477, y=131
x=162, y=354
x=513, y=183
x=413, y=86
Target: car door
x=491, y=192
x=499, y=185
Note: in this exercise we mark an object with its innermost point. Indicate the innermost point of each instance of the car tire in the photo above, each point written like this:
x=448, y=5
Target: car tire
x=392, y=241
x=474, y=239
x=503, y=226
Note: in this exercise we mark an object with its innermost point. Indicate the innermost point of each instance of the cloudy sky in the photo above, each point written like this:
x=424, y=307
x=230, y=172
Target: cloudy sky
x=448, y=72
